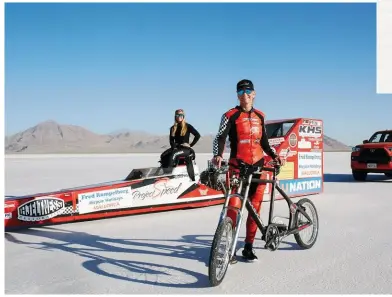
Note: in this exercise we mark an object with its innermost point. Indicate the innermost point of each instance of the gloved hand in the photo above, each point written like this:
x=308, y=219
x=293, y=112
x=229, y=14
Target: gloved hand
x=217, y=160
x=280, y=161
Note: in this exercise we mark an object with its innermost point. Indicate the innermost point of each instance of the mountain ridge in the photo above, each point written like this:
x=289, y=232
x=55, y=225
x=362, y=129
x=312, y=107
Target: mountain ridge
x=51, y=137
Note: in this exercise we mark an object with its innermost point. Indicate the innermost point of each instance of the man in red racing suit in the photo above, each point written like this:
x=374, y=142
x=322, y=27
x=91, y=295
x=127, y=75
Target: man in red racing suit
x=248, y=141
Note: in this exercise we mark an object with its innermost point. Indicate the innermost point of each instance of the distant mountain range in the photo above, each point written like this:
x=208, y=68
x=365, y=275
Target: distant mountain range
x=52, y=137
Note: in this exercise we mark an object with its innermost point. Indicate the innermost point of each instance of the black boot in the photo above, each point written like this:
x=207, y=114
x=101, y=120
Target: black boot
x=248, y=252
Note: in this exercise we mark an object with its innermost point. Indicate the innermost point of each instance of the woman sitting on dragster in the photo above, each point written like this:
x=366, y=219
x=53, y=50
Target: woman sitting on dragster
x=179, y=141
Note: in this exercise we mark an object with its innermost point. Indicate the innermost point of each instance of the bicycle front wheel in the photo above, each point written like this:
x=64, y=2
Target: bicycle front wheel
x=220, y=251
x=307, y=237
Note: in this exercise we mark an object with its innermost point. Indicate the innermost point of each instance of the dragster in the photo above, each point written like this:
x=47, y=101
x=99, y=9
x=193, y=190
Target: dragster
x=153, y=189
x=144, y=190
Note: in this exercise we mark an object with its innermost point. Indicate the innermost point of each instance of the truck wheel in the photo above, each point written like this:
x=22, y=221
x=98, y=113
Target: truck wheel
x=389, y=175
x=359, y=175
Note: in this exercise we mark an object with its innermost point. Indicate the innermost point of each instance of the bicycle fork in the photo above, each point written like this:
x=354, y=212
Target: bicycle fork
x=239, y=213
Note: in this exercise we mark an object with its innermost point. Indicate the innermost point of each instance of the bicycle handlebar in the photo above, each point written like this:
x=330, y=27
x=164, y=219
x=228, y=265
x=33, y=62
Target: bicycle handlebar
x=272, y=166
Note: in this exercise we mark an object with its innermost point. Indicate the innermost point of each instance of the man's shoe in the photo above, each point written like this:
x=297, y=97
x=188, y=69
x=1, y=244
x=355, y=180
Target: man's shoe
x=248, y=252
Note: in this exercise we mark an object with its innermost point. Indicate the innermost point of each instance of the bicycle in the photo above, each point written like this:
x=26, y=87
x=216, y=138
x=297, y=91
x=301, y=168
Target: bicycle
x=272, y=233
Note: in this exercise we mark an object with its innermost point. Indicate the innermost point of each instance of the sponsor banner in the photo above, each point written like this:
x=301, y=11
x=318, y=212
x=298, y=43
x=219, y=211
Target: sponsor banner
x=42, y=208
x=301, y=186
x=105, y=200
x=309, y=164
x=310, y=131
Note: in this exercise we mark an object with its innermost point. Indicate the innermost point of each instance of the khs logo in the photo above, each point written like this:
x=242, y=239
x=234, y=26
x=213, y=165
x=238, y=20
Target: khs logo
x=309, y=130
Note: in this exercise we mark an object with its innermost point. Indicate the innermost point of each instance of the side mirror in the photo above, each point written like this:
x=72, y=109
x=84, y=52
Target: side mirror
x=365, y=141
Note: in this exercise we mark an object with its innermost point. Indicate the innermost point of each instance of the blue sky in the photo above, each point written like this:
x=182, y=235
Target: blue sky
x=113, y=66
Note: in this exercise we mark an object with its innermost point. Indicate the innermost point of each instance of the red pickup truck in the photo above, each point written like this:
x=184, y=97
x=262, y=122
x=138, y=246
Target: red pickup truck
x=373, y=156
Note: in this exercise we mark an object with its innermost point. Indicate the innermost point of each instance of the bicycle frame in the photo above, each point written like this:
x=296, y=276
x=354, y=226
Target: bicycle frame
x=245, y=202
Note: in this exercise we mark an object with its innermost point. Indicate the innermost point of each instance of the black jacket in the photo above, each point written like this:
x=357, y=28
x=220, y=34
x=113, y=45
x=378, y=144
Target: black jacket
x=177, y=139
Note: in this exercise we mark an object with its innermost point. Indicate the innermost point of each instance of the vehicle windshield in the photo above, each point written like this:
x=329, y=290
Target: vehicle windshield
x=278, y=129
x=381, y=137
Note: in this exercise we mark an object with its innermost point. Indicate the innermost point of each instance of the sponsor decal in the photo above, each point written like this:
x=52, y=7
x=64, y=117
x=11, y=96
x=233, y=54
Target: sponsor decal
x=9, y=205
x=251, y=119
x=316, y=150
x=286, y=171
x=303, y=144
x=105, y=200
x=160, y=189
x=39, y=209
x=275, y=141
x=203, y=192
x=305, y=156
x=177, y=153
x=309, y=164
x=301, y=186
x=312, y=122
x=319, y=140
x=293, y=140
x=317, y=144
x=310, y=131
x=316, y=123
x=254, y=130
x=286, y=153
x=183, y=175
x=8, y=215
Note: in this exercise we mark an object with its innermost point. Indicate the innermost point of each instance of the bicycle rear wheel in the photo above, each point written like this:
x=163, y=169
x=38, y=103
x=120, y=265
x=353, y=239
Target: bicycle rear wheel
x=220, y=257
x=307, y=237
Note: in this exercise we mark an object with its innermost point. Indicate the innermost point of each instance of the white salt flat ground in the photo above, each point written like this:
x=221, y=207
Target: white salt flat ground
x=167, y=252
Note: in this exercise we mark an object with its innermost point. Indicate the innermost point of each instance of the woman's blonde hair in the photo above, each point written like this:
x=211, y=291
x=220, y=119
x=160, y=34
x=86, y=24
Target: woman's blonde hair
x=183, y=124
